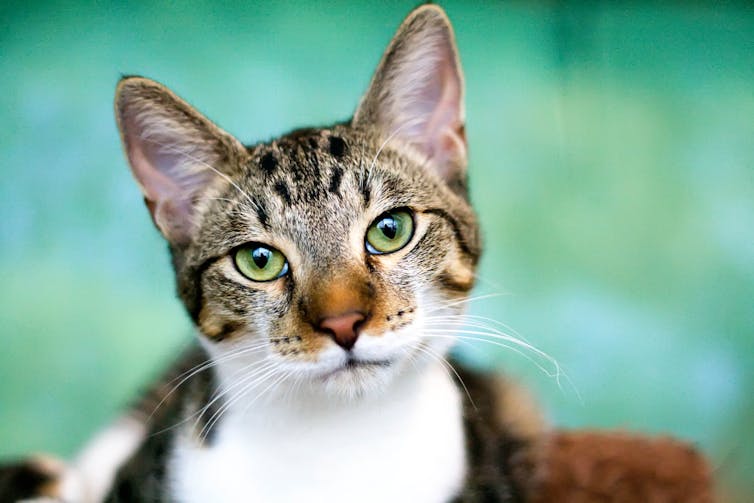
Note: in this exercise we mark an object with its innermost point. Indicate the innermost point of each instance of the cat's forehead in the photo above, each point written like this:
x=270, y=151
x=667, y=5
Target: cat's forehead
x=338, y=166
x=303, y=168
x=311, y=187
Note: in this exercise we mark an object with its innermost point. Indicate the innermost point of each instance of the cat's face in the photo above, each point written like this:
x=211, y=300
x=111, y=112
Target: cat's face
x=337, y=258
x=333, y=256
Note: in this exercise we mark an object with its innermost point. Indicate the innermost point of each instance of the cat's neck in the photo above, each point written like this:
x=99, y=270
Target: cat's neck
x=405, y=444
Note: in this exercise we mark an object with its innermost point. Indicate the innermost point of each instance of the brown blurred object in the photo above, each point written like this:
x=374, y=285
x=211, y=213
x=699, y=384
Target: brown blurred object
x=595, y=466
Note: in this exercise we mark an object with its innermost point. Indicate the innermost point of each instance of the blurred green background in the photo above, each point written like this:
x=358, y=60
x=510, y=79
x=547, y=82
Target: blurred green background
x=612, y=163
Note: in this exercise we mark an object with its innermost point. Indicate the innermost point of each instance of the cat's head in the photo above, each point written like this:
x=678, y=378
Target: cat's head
x=336, y=255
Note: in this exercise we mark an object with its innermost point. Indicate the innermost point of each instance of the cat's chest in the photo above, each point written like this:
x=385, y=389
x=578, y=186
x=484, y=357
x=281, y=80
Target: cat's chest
x=408, y=447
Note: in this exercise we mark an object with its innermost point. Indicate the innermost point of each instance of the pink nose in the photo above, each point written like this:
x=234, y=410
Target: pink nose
x=343, y=328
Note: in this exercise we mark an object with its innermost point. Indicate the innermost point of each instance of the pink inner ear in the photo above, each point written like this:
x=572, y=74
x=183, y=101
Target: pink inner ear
x=164, y=173
x=417, y=95
x=156, y=186
x=444, y=134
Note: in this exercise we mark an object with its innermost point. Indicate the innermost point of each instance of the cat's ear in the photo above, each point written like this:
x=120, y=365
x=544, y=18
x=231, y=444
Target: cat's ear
x=175, y=153
x=416, y=94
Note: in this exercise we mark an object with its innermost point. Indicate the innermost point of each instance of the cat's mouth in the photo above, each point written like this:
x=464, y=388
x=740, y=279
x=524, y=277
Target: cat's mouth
x=352, y=365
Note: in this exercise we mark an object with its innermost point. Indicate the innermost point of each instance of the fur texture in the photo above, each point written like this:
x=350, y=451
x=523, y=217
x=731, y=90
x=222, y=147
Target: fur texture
x=591, y=467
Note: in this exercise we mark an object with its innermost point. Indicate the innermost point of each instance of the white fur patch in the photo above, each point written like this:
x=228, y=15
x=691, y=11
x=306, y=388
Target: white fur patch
x=405, y=444
x=89, y=478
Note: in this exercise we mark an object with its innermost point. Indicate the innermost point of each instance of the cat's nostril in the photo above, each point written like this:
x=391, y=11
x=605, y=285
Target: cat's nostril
x=343, y=328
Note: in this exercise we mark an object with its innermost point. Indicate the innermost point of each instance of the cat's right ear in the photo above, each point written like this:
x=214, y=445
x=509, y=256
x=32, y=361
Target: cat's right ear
x=175, y=153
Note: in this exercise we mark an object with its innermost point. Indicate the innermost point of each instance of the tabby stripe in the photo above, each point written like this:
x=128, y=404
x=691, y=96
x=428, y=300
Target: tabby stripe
x=456, y=231
x=227, y=330
x=195, y=307
x=364, y=188
x=337, y=176
x=262, y=214
x=337, y=146
x=282, y=189
x=268, y=163
x=451, y=283
x=313, y=159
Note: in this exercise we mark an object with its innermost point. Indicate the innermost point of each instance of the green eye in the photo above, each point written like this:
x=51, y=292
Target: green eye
x=390, y=232
x=260, y=262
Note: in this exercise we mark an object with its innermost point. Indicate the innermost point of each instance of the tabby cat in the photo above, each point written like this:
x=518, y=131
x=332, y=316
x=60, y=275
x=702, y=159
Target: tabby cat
x=325, y=272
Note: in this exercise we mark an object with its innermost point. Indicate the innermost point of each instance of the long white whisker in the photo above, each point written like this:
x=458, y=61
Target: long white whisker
x=176, y=150
x=277, y=381
x=493, y=331
x=462, y=301
x=240, y=382
x=227, y=405
x=464, y=321
x=387, y=140
x=516, y=350
x=202, y=410
x=209, y=363
x=283, y=376
x=495, y=334
x=499, y=336
x=447, y=366
x=241, y=204
x=480, y=319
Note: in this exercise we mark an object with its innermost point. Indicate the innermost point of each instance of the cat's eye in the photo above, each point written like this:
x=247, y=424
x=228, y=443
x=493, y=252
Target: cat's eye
x=260, y=262
x=390, y=232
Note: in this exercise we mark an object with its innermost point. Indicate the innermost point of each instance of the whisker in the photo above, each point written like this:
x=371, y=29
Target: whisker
x=256, y=381
x=499, y=336
x=184, y=153
x=241, y=204
x=283, y=376
x=557, y=374
x=465, y=300
x=481, y=319
x=263, y=367
x=384, y=144
x=495, y=343
x=491, y=331
x=201, y=367
x=495, y=334
x=201, y=411
x=488, y=332
x=277, y=381
x=446, y=365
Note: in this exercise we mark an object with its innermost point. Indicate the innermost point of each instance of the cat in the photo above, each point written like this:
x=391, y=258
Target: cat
x=326, y=272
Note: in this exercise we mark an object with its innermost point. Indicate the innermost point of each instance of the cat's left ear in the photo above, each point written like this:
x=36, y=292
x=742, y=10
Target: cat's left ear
x=416, y=94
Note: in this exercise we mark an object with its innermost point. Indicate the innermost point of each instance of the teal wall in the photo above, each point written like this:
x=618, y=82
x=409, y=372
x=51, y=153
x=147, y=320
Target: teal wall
x=612, y=163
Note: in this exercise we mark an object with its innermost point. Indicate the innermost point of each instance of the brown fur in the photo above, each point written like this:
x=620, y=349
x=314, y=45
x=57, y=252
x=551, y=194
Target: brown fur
x=592, y=467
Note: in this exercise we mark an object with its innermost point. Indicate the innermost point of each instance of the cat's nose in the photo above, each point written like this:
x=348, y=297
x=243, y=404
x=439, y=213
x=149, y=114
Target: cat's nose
x=343, y=328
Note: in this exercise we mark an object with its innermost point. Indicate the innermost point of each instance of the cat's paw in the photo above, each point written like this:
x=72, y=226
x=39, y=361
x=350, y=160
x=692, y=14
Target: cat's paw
x=38, y=479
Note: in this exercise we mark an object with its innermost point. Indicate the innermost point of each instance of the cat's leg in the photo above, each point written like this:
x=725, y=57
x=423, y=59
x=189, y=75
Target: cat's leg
x=90, y=476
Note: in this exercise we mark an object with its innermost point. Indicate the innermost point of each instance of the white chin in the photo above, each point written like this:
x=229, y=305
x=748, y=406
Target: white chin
x=353, y=382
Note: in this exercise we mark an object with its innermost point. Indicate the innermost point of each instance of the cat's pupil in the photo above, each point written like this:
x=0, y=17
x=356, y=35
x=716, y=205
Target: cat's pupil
x=389, y=227
x=261, y=256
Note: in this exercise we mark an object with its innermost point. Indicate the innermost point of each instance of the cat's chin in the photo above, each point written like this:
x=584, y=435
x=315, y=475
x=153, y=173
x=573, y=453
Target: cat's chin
x=356, y=378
